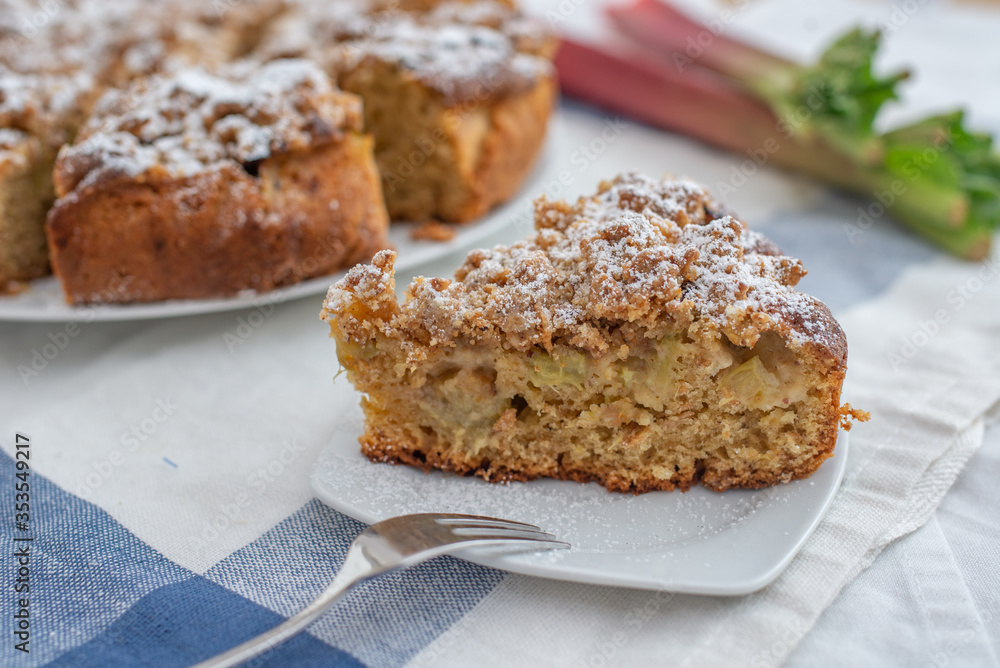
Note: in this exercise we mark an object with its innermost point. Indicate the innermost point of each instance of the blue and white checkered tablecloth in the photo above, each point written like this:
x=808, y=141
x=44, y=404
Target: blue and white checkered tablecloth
x=171, y=514
x=100, y=596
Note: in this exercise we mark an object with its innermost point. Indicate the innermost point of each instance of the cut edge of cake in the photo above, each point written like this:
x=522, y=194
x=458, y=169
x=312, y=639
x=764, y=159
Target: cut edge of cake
x=26, y=193
x=640, y=338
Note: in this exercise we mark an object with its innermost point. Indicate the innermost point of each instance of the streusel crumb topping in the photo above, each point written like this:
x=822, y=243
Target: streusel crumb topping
x=640, y=256
x=42, y=104
x=459, y=60
x=191, y=121
x=461, y=50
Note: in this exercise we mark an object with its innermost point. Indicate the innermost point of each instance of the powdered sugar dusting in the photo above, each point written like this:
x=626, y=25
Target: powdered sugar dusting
x=193, y=120
x=367, y=282
x=460, y=49
x=56, y=59
x=11, y=138
x=641, y=253
x=451, y=57
x=45, y=105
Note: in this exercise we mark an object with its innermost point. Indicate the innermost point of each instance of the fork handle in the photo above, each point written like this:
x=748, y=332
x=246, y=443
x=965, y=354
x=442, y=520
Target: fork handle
x=290, y=627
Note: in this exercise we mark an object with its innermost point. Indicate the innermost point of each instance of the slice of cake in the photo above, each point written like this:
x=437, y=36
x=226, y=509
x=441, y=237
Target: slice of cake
x=639, y=338
x=25, y=195
x=199, y=185
x=38, y=113
x=457, y=94
x=458, y=115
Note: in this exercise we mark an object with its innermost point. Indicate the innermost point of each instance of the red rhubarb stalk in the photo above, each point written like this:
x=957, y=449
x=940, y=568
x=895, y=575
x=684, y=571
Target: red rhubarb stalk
x=817, y=119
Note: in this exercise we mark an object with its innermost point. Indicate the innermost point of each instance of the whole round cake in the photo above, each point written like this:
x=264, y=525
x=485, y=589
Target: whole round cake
x=204, y=149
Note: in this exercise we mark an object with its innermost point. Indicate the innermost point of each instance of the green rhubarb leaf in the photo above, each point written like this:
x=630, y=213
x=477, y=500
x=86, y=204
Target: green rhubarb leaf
x=843, y=79
x=940, y=155
x=837, y=99
x=936, y=176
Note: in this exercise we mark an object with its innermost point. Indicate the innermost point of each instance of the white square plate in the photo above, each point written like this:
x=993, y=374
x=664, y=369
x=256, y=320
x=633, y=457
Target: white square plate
x=699, y=542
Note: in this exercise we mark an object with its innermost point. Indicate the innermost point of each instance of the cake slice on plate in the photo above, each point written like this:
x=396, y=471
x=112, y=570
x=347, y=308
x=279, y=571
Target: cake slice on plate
x=640, y=338
x=204, y=184
x=457, y=94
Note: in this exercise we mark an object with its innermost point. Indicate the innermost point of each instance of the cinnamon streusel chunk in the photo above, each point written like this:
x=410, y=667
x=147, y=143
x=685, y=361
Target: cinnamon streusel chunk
x=200, y=184
x=639, y=338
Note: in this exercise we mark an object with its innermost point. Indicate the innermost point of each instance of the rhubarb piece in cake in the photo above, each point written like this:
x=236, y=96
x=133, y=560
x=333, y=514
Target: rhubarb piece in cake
x=639, y=338
x=198, y=185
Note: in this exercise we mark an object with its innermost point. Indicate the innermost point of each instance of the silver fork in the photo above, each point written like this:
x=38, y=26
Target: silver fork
x=398, y=542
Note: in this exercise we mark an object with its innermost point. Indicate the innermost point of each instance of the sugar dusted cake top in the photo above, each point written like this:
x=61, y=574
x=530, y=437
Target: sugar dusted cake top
x=640, y=256
x=460, y=60
x=46, y=105
x=191, y=121
x=11, y=138
x=460, y=49
x=71, y=36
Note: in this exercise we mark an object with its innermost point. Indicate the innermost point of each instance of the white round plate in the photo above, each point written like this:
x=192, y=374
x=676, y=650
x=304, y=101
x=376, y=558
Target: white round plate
x=698, y=542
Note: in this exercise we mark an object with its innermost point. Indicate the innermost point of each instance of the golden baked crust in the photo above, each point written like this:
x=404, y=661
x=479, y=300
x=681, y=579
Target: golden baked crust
x=640, y=256
x=639, y=338
x=116, y=42
x=478, y=91
x=200, y=184
x=55, y=61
